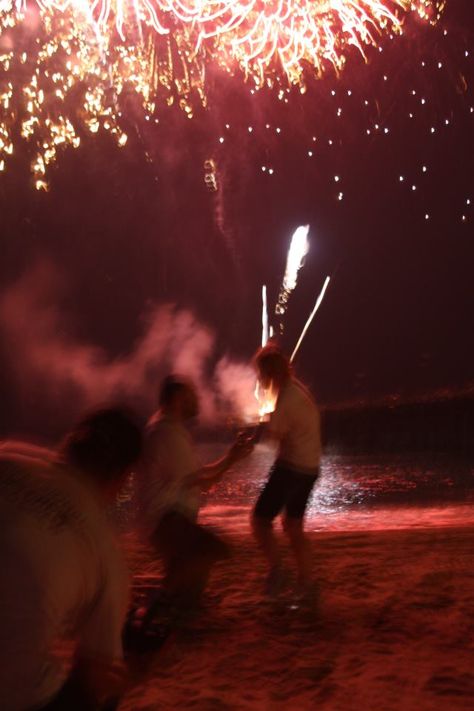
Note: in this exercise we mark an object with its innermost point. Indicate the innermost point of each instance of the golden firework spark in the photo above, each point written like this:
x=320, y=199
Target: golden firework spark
x=68, y=68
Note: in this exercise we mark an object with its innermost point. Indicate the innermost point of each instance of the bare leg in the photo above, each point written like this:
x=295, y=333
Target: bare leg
x=294, y=530
x=263, y=532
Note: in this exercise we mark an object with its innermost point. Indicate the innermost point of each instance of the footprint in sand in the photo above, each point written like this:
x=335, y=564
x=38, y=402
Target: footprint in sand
x=448, y=683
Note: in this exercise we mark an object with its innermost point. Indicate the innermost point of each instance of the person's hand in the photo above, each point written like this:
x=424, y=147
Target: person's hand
x=241, y=448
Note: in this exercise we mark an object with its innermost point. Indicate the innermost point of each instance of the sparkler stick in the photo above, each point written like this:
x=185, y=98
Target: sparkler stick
x=311, y=316
x=264, y=316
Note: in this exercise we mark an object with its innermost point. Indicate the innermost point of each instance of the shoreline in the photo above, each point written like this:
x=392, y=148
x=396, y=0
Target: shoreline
x=364, y=518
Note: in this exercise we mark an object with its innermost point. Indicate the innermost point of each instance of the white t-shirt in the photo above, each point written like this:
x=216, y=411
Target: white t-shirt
x=163, y=478
x=64, y=585
x=295, y=423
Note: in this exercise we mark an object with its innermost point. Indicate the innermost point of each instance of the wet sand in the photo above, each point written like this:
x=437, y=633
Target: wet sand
x=393, y=628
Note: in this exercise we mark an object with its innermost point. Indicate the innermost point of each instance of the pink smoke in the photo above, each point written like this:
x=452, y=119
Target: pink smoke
x=46, y=359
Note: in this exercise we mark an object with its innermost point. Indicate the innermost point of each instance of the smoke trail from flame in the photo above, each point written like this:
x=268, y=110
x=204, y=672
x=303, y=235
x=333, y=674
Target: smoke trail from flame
x=311, y=316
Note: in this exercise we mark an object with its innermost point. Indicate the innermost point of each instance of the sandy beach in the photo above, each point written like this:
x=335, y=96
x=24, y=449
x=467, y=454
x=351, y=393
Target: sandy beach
x=393, y=628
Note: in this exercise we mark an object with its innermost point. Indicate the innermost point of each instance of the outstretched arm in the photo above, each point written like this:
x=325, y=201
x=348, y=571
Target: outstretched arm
x=211, y=473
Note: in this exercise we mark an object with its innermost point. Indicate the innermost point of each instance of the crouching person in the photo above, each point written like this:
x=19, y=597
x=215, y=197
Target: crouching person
x=170, y=483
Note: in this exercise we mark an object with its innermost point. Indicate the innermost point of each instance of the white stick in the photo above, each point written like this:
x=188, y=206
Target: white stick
x=311, y=316
x=264, y=316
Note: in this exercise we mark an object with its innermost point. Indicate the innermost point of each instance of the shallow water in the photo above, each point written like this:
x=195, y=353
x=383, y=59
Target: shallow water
x=352, y=493
x=356, y=493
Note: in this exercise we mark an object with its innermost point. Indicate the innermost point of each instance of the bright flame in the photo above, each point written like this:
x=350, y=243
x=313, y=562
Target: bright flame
x=69, y=66
x=266, y=399
x=297, y=252
x=311, y=316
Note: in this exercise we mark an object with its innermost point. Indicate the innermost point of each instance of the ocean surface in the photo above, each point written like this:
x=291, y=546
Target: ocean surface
x=352, y=493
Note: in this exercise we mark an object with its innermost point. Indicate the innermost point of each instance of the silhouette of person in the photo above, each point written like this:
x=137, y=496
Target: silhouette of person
x=64, y=590
x=171, y=479
x=295, y=425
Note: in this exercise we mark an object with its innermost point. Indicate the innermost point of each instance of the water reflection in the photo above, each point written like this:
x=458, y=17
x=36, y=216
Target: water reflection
x=352, y=492
x=354, y=481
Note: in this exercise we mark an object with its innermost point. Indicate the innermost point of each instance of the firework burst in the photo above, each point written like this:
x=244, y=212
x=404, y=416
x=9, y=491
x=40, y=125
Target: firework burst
x=70, y=68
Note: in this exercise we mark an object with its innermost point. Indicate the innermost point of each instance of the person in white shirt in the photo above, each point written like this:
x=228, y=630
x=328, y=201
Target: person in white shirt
x=170, y=482
x=64, y=589
x=295, y=425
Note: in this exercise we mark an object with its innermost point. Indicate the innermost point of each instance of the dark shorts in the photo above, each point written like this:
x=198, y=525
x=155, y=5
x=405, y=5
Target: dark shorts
x=286, y=490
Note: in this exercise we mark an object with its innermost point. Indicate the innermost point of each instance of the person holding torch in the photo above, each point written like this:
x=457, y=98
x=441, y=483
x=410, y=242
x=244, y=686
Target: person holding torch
x=295, y=425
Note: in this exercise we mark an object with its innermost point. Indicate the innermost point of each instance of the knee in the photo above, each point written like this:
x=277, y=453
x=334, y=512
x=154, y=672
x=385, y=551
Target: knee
x=293, y=528
x=259, y=525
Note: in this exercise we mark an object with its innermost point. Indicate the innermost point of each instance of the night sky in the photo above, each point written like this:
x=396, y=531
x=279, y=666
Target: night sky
x=378, y=161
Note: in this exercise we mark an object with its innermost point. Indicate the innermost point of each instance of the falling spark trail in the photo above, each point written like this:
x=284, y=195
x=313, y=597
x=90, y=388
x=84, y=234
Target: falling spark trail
x=264, y=316
x=297, y=252
x=311, y=316
x=83, y=59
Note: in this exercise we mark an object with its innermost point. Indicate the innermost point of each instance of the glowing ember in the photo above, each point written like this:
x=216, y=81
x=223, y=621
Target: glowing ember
x=69, y=66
